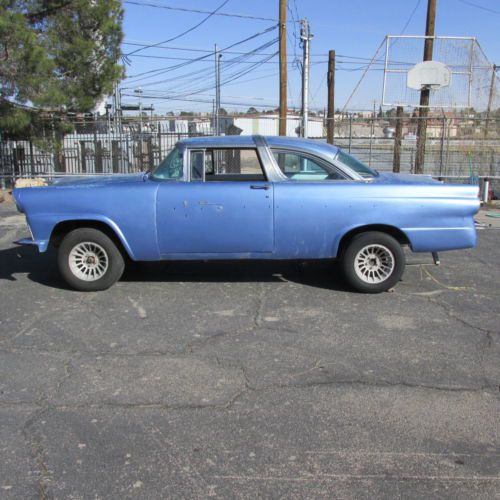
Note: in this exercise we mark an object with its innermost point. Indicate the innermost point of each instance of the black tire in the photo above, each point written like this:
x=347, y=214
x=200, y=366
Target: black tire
x=108, y=255
x=393, y=262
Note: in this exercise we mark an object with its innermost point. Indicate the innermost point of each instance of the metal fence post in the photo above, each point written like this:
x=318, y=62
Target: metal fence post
x=32, y=159
x=441, y=155
x=159, y=142
x=350, y=131
x=83, y=157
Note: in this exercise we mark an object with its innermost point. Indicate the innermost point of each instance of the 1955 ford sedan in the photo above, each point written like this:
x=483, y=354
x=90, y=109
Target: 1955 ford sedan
x=248, y=197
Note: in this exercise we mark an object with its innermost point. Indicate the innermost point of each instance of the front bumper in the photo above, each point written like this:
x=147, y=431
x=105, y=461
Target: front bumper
x=41, y=244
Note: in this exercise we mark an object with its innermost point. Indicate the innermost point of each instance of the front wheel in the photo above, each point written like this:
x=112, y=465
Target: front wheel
x=373, y=262
x=89, y=260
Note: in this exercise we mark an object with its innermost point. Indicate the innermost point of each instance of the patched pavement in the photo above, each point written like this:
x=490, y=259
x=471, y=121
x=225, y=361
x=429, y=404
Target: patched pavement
x=248, y=380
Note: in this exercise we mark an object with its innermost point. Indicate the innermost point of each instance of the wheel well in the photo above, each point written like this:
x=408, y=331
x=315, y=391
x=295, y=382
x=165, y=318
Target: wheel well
x=63, y=228
x=396, y=233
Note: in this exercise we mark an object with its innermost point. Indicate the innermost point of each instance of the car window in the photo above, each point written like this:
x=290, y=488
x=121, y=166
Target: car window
x=171, y=167
x=298, y=167
x=197, y=165
x=228, y=164
x=355, y=164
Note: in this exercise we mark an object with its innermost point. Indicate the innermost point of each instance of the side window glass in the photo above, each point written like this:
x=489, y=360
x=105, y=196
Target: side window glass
x=171, y=167
x=233, y=165
x=298, y=167
x=196, y=165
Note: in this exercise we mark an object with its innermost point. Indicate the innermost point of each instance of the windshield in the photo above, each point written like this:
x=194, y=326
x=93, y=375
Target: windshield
x=356, y=165
x=170, y=167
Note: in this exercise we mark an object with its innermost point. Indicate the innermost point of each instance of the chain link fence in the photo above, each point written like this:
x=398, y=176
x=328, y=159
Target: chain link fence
x=458, y=146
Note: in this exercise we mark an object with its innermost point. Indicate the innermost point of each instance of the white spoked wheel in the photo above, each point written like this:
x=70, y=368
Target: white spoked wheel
x=88, y=261
x=374, y=264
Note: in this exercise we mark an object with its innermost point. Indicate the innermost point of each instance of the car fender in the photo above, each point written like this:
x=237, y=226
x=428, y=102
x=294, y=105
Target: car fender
x=43, y=225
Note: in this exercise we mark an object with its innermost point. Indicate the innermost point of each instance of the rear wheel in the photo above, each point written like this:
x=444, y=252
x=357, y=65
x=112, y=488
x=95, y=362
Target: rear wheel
x=89, y=260
x=373, y=262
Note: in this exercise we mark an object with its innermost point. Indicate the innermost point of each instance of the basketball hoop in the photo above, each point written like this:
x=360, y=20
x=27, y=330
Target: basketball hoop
x=431, y=75
x=457, y=69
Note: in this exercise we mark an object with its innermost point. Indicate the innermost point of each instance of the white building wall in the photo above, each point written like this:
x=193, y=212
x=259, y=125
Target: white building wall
x=269, y=125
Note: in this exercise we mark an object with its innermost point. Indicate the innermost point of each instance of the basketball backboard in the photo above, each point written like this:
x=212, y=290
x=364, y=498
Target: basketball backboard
x=431, y=75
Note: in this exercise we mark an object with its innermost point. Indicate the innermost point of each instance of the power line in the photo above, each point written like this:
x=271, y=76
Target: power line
x=411, y=17
x=346, y=59
x=198, y=11
x=261, y=77
x=487, y=9
x=206, y=71
x=147, y=56
x=205, y=19
x=159, y=71
x=209, y=51
x=228, y=80
x=207, y=101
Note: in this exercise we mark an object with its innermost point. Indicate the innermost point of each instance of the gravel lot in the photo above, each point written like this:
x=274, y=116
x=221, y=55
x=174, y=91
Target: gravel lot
x=242, y=380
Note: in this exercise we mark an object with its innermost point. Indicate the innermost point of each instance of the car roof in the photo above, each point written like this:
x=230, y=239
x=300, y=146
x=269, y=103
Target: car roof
x=313, y=146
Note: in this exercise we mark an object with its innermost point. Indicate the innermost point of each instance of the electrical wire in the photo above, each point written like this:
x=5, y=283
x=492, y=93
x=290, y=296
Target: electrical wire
x=487, y=9
x=411, y=17
x=230, y=79
x=204, y=20
x=159, y=71
x=198, y=11
x=208, y=72
x=191, y=49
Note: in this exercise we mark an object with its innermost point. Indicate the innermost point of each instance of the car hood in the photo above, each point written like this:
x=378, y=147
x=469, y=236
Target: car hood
x=97, y=180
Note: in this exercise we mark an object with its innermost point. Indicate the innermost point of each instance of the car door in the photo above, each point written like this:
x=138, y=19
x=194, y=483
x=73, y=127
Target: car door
x=224, y=208
x=310, y=207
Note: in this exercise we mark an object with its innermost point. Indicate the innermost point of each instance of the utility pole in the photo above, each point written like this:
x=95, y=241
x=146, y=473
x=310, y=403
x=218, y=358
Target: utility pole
x=396, y=162
x=218, y=55
x=425, y=92
x=305, y=37
x=330, y=120
x=283, y=68
x=490, y=99
x=120, y=111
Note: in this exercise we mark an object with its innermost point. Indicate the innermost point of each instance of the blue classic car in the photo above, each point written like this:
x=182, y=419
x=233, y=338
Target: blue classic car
x=248, y=197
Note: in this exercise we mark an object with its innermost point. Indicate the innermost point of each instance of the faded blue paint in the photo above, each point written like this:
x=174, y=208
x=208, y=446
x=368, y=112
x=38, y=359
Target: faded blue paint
x=232, y=220
x=215, y=217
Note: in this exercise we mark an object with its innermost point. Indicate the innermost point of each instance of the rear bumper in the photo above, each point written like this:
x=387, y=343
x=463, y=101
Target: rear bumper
x=41, y=244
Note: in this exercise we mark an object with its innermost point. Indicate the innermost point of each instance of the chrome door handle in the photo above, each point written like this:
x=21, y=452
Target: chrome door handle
x=260, y=186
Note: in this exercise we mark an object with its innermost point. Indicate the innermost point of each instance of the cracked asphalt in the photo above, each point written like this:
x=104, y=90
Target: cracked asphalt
x=245, y=380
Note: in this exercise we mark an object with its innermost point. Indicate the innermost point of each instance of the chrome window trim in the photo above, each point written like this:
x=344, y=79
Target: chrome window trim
x=189, y=169
x=271, y=169
x=213, y=148
x=348, y=174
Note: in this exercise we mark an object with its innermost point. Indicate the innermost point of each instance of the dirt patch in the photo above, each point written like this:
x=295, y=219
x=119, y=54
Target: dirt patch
x=35, y=182
x=5, y=196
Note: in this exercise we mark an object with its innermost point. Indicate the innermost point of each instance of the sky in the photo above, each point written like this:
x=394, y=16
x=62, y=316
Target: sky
x=355, y=29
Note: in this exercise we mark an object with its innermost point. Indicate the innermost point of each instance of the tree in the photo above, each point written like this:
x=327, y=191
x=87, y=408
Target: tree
x=56, y=56
x=252, y=111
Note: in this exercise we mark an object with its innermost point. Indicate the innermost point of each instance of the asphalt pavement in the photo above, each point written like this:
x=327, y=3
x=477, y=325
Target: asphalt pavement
x=249, y=380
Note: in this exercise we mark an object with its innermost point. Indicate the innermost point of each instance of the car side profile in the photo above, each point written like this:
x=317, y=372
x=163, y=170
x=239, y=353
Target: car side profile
x=248, y=197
